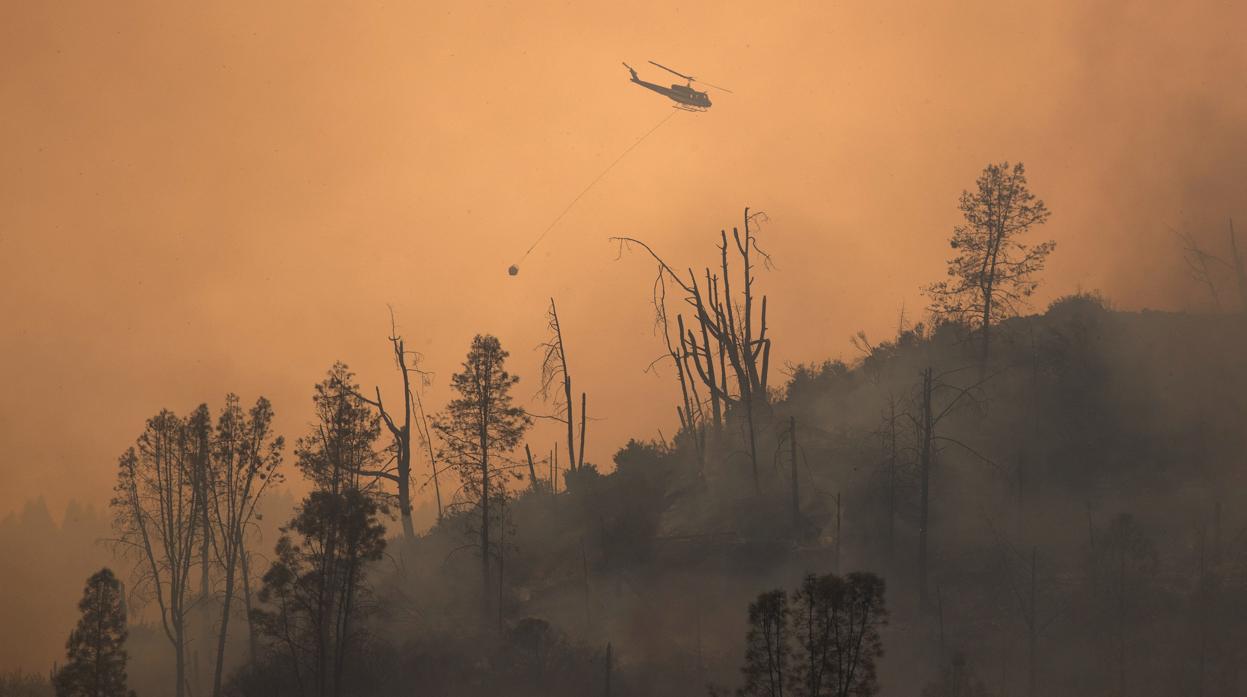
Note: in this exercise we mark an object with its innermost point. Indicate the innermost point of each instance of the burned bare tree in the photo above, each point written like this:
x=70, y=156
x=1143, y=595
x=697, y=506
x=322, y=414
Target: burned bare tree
x=725, y=348
x=554, y=370
x=1208, y=269
x=892, y=465
x=400, y=448
x=1200, y=265
x=426, y=438
x=934, y=399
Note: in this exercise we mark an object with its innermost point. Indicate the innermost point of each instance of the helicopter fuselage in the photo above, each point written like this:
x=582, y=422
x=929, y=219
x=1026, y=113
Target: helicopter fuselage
x=682, y=94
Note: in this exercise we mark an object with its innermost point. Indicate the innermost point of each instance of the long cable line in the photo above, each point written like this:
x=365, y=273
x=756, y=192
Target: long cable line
x=515, y=267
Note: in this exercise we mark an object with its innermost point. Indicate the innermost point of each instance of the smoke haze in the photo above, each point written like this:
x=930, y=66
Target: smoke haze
x=201, y=199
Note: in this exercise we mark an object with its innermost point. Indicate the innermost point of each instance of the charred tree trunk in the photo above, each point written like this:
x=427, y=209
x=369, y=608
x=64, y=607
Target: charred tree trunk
x=986, y=330
x=892, y=481
x=401, y=434
x=796, y=492
x=532, y=470
x=839, y=536
x=245, y=567
x=718, y=393
x=223, y=632
x=925, y=454
x=180, y=657
x=502, y=556
x=580, y=462
x=483, y=434
x=204, y=608
x=426, y=436
x=402, y=441
x=753, y=446
x=557, y=352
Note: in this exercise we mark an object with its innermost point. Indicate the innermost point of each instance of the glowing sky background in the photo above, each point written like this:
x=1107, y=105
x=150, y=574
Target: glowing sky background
x=198, y=198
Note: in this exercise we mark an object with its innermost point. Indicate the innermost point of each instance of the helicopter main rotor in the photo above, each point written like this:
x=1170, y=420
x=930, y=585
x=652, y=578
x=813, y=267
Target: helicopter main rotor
x=690, y=78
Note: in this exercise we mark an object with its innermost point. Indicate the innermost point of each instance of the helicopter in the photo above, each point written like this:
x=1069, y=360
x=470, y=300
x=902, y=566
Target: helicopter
x=684, y=96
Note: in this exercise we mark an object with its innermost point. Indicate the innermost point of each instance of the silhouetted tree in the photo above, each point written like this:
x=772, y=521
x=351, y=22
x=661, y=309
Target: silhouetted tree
x=159, y=507
x=314, y=592
x=728, y=331
x=934, y=399
x=96, y=648
x=856, y=610
x=992, y=272
x=835, y=624
x=477, y=429
x=203, y=610
x=1206, y=268
x=339, y=454
x=426, y=438
x=554, y=368
x=244, y=462
x=892, y=472
x=767, y=649
x=1200, y=265
x=816, y=602
x=400, y=431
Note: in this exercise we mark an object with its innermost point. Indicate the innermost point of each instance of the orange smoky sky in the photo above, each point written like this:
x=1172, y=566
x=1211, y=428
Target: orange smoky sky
x=198, y=198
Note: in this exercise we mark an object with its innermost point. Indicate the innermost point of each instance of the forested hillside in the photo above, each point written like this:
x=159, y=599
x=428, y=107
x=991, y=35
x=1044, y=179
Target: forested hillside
x=1084, y=525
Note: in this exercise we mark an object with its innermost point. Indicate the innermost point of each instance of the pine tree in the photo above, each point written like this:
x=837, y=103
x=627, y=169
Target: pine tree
x=96, y=648
x=479, y=428
x=993, y=273
x=315, y=596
